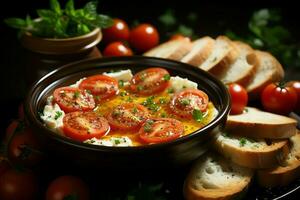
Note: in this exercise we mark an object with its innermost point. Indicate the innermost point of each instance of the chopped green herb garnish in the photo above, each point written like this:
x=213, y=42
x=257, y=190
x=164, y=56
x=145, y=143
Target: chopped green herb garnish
x=166, y=77
x=117, y=141
x=116, y=113
x=162, y=100
x=139, y=87
x=121, y=83
x=143, y=76
x=134, y=110
x=197, y=115
x=114, y=70
x=129, y=99
x=243, y=141
x=123, y=93
x=58, y=114
x=148, y=125
x=185, y=101
x=76, y=94
x=225, y=134
x=163, y=114
x=150, y=104
x=246, y=110
x=97, y=98
x=184, y=86
x=170, y=90
x=89, y=91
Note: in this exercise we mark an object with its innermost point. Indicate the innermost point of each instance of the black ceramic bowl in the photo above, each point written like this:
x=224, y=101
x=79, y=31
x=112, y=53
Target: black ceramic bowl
x=175, y=153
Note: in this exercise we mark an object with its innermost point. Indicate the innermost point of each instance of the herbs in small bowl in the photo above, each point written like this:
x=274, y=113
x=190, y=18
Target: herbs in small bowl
x=62, y=23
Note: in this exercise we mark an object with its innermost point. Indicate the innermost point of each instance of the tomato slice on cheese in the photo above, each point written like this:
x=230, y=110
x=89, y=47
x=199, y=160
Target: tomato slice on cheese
x=185, y=102
x=101, y=86
x=150, y=81
x=160, y=130
x=128, y=116
x=72, y=99
x=84, y=125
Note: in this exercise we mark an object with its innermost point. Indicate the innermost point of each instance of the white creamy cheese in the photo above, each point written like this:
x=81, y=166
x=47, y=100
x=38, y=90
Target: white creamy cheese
x=124, y=75
x=76, y=85
x=53, y=115
x=178, y=84
x=111, y=142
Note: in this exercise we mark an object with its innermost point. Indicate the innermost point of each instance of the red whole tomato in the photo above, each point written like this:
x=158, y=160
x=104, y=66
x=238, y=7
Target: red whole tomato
x=23, y=148
x=119, y=31
x=72, y=99
x=239, y=98
x=18, y=185
x=296, y=86
x=185, y=102
x=150, y=81
x=279, y=98
x=117, y=49
x=66, y=187
x=84, y=125
x=143, y=37
x=127, y=116
x=179, y=36
x=160, y=130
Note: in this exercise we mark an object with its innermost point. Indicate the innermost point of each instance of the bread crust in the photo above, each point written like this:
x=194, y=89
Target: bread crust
x=259, y=128
x=263, y=157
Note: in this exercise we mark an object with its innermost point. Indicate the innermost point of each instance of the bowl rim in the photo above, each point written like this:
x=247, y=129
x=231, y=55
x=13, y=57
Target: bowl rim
x=35, y=120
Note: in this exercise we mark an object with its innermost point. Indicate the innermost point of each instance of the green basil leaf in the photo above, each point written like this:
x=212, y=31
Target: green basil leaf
x=82, y=29
x=91, y=8
x=103, y=21
x=46, y=14
x=55, y=6
x=16, y=23
x=197, y=115
x=69, y=8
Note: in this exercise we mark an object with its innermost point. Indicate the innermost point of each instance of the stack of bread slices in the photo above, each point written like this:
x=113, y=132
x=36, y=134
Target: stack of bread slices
x=230, y=61
x=254, y=145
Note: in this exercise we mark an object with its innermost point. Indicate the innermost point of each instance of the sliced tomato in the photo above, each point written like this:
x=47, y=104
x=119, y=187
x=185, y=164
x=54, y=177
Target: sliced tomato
x=150, y=81
x=160, y=130
x=128, y=116
x=101, y=86
x=185, y=102
x=84, y=125
x=72, y=99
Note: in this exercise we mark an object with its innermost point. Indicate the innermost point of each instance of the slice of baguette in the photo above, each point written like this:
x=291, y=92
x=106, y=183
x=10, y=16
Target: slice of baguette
x=173, y=49
x=259, y=124
x=252, y=153
x=268, y=70
x=200, y=51
x=287, y=171
x=213, y=177
x=242, y=69
x=222, y=55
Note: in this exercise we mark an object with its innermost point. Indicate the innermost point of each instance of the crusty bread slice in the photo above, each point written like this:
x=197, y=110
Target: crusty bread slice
x=255, y=123
x=173, y=49
x=252, y=153
x=200, y=51
x=213, y=177
x=287, y=171
x=242, y=69
x=268, y=70
x=222, y=55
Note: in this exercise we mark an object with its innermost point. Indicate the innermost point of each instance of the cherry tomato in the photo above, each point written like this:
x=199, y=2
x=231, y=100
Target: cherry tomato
x=296, y=86
x=239, y=98
x=67, y=186
x=143, y=37
x=119, y=31
x=128, y=116
x=18, y=185
x=179, y=36
x=101, y=86
x=84, y=125
x=24, y=148
x=117, y=49
x=160, y=130
x=150, y=81
x=72, y=99
x=185, y=102
x=279, y=98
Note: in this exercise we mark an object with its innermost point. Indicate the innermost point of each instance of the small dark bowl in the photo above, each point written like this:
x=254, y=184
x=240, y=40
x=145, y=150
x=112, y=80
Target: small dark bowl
x=176, y=153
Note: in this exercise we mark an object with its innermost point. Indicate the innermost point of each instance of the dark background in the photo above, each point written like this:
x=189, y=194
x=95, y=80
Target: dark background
x=214, y=18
